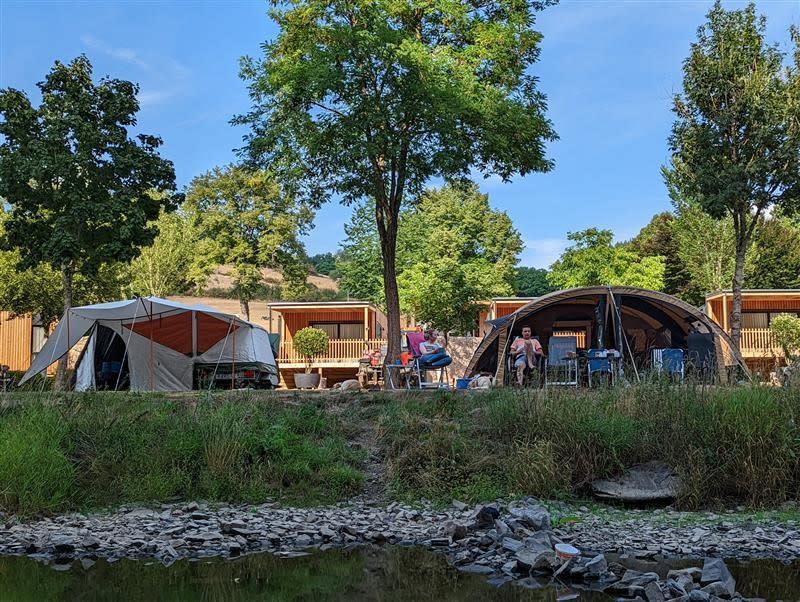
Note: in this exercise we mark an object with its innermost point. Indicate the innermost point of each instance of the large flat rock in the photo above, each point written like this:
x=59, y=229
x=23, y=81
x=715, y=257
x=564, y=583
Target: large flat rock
x=642, y=483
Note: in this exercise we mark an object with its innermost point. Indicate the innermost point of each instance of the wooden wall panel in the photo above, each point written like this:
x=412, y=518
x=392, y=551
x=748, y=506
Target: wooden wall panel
x=15, y=341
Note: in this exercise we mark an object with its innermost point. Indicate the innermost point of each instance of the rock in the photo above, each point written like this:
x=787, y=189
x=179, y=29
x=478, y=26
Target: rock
x=653, y=593
x=87, y=563
x=641, y=483
x=455, y=530
x=637, y=578
x=327, y=533
x=535, y=517
x=460, y=506
x=714, y=569
x=693, y=573
x=303, y=541
x=596, y=566
x=477, y=569
x=697, y=595
x=511, y=544
x=63, y=545
x=485, y=516
x=529, y=559
x=718, y=589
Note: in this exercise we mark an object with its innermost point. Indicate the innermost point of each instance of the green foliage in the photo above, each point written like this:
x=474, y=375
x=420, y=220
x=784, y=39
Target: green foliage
x=79, y=188
x=309, y=342
x=91, y=451
x=774, y=260
x=324, y=263
x=786, y=329
x=736, y=139
x=246, y=220
x=172, y=265
x=593, y=260
x=729, y=444
x=531, y=282
x=371, y=100
x=455, y=251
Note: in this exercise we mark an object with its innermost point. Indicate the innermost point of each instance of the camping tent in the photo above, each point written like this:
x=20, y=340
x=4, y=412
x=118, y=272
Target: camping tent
x=158, y=342
x=629, y=319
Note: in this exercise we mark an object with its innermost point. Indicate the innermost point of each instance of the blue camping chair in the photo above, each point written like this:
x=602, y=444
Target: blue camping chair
x=561, y=364
x=598, y=364
x=670, y=361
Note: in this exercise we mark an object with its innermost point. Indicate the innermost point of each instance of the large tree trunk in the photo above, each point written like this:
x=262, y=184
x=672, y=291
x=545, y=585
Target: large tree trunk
x=388, y=237
x=244, y=308
x=61, y=380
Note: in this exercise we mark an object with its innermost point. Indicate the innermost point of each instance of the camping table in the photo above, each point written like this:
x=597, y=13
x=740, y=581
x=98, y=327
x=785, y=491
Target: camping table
x=399, y=370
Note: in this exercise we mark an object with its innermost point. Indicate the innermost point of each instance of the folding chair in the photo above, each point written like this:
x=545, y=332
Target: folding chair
x=418, y=367
x=561, y=361
x=532, y=374
x=598, y=364
x=670, y=361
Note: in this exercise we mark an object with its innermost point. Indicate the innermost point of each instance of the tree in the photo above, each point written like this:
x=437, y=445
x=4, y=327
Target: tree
x=79, y=188
x=593, y=260
x=774, y=260
x=359, y=262
x=736, y=138
x=370, y=100
x=531, y=282
x=786, y=329
x=658, y=239
x=455, y=251
x=249, y=222
x=324, y=263
x=310, y=342
x=173, y=264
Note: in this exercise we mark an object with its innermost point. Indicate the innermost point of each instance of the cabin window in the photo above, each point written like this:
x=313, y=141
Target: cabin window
x=38, y=336
x=755, y=320
x=341, y=330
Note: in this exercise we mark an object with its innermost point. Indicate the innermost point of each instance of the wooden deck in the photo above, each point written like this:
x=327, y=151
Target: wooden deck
x=341, y=353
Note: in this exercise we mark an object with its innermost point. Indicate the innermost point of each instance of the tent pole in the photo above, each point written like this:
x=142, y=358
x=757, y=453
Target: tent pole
x=219, y=357
x=152, y=381
x=233, y=364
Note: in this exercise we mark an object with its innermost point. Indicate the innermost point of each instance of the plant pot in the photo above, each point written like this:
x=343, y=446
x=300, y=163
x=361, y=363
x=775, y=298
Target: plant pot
x=306, y=381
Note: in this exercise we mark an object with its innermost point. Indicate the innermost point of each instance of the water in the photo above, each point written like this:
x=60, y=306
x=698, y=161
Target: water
x=401, y=574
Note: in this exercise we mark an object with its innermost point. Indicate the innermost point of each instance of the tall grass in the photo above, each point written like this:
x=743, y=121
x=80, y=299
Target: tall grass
x=728, y=444
x=94, y=450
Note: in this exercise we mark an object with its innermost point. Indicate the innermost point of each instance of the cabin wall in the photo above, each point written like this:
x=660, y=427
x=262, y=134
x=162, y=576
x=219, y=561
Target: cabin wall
x=15, y=341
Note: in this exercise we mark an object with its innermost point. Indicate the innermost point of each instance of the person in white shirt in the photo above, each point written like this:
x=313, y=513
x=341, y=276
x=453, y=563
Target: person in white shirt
x=433, y=354
x=526, y=351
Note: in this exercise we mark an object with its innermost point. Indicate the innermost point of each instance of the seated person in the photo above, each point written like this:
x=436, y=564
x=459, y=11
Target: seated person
x=432, y=353
x=526, y=352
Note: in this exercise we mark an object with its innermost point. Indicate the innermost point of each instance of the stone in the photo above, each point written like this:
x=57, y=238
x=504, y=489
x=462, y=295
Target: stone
x=596, y=566
x=718, y=589
x=460, y=506
x=535, y=517
x=653, y=593
x=63, y=545
x=485, y=516
x=87, y=563
x=640, y=483
x=476, y=569
x=714, y=569
x=637, y=578
x=529, y=559
x=455, y=530
x=697, y=595
x=511, y=544
x=303, y=540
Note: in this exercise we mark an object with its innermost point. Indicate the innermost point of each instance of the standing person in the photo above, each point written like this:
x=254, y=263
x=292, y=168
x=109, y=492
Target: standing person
x=526, y=352
x=433, y=354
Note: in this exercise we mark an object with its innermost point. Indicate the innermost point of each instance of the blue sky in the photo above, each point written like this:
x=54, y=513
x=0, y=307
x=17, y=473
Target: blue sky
x=609, y=69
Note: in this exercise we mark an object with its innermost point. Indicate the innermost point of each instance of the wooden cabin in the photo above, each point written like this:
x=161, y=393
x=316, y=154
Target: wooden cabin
x=21, y=337
x=353, y=327
x=759, y=306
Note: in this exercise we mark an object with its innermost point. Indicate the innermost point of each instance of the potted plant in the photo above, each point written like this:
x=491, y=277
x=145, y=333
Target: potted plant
x=309, y=342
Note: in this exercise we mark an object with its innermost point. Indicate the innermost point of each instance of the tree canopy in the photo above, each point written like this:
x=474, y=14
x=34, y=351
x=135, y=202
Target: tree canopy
x=531, y=282
x=248, y=221
x=594, y=260
x=736, y=138
x=370, y=100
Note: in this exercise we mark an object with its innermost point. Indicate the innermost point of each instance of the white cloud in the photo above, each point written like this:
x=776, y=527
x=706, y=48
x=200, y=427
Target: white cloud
x=542, y=252
x=124, y=54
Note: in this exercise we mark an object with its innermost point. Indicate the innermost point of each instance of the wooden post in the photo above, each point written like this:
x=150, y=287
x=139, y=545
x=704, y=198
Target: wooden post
x=725, y=312
x=366, y=323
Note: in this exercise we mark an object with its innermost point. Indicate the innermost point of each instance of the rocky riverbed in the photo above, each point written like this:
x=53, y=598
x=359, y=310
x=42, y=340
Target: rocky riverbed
x=518, y=541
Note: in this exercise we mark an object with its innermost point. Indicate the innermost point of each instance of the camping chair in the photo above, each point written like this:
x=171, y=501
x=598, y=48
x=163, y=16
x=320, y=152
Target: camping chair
x=418, y=367
x=598, y=364
x=670, y=361
x=561, y=362
x=533, y=374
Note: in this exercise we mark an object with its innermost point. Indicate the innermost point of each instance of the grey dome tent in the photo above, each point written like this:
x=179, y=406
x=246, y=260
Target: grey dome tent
x=613, y=317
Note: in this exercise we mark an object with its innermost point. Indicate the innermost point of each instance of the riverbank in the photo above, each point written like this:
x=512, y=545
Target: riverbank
x=68, y=452
x=484, y=540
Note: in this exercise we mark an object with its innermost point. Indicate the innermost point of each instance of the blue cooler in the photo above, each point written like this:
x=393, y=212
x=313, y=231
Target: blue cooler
x=463, y=383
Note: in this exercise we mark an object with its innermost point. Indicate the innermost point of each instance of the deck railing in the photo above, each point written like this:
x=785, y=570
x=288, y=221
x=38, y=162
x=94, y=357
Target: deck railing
x=759, y=342
x=339, y=351
x=580, y=335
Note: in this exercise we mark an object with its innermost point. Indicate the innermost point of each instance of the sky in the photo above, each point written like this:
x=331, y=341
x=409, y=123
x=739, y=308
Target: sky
x=609, y=70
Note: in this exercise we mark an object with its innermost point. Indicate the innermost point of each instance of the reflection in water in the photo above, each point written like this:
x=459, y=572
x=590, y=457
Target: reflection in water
x=364, y=574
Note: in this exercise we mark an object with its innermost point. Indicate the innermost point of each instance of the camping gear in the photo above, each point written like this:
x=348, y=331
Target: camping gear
x=561, y=364
x=598, y=364
x=670, y=361
x=463, y=383
x=564, y=551
x=157, y=342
